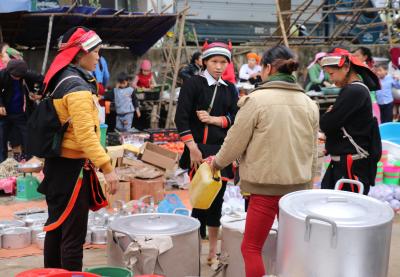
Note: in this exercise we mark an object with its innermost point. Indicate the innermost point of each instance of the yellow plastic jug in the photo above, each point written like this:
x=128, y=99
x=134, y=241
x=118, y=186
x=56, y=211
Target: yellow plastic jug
x=204, y=187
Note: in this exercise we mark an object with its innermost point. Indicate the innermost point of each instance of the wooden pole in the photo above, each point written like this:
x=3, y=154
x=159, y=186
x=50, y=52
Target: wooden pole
x=281, y=23
x=387, y=13
x=176, y=69
x=46, y=53
x=196, y=39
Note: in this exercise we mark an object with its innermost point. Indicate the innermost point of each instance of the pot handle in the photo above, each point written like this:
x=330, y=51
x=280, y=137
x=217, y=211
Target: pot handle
x=129, y=235
x=349, y=181
x=307, y=235
x=181, y=209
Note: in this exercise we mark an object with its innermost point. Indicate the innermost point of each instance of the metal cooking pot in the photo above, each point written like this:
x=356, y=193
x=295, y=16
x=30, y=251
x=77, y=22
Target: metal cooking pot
x=232, y=236
x=40, y=240
x=333, y=233
x=16, y=237
x=35, y=219
x=88, y=239
x=184, y=233
x=4, y=224
x=99, y=235
x=35, y=230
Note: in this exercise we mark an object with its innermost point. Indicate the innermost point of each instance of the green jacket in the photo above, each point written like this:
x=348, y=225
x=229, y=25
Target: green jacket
x=314, y=73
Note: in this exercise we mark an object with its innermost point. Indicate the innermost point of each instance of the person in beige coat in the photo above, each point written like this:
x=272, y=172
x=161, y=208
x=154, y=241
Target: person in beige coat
x=275, y=137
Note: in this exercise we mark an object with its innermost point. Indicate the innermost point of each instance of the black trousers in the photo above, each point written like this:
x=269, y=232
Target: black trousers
x=15, y=123
x=63, y=247
x=386, y=112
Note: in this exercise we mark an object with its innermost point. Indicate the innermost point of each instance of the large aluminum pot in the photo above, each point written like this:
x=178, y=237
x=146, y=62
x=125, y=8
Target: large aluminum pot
x=39, y=240
x=333, y=233
x=183, y=259
x=16, y=237
x=35, y=229
x=232, y=236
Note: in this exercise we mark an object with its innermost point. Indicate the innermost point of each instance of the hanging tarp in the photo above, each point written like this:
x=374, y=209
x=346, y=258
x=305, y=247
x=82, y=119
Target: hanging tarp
x=137, y=31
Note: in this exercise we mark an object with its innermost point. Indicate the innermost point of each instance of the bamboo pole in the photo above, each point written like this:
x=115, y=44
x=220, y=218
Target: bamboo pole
x=46, y=53
x=283, y=31
x=196, y=39
x=305, y=21
x=176, y=69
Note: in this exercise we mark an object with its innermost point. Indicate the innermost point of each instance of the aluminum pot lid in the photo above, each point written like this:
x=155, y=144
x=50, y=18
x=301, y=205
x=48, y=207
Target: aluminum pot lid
x=16, y=231
x=155, y=224
x=39, y=217
x=11, y=223
x=347, y=209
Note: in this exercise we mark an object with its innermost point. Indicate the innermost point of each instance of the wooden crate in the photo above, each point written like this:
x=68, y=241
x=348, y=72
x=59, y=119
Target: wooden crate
x=153, y=187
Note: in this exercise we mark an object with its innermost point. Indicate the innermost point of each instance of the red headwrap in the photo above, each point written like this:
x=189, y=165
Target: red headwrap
x=338, y=58
x=81, y=39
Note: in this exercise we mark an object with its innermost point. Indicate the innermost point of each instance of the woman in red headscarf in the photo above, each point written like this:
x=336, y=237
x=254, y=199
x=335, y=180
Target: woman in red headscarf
x=352, y=134
x=69, y=197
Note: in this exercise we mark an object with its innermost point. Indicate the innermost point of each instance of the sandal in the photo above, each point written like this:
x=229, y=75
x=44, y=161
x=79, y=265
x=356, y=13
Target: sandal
x=211, y=261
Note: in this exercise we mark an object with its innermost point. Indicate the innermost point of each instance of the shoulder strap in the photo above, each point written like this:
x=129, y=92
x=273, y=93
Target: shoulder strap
x=59, y=83
x=361, y=84
x=361, y=151
x=213, y=98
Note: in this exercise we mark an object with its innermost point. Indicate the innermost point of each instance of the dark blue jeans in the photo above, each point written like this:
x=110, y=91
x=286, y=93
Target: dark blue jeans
x=7, y=123
x=386, y=112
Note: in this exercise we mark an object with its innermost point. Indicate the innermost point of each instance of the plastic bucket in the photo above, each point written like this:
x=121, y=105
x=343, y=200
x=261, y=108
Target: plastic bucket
x=74, y=274
x=103, y=134
x=40, y=272
x=110, y=271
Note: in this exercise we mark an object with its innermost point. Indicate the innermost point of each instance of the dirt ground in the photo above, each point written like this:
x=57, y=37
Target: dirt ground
x=96, y=257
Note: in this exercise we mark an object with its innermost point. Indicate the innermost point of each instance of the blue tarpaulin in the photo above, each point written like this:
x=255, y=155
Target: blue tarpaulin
x=135, y=30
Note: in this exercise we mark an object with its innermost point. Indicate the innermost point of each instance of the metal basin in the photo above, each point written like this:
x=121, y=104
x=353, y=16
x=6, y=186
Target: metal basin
x=16, y=237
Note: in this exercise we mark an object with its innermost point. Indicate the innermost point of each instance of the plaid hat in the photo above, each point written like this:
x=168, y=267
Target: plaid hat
x=217, y=49
x=17, y=68
x=339, y=57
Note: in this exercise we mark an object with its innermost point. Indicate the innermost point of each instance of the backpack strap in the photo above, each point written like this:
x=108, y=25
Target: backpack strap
x=65, y=125
x=62, y=81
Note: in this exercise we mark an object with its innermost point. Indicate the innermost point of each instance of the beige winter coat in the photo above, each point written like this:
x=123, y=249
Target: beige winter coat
x=275, y=136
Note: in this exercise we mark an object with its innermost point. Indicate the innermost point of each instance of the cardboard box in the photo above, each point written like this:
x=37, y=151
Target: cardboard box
x=158, y=156
x=116, y=153
x=153, y=187
x=123, y=193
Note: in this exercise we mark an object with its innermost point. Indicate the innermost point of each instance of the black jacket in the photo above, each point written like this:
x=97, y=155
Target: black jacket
x=189, y=71
x=353, y=111
x=196, y=95
x=6, y=87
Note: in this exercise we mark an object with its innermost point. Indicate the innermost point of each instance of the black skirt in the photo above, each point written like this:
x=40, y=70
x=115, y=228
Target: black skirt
x=339, y=170
x=61, y=175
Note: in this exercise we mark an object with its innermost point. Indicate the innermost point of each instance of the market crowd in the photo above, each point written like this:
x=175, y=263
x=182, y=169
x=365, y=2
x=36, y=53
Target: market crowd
x=268, y=138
